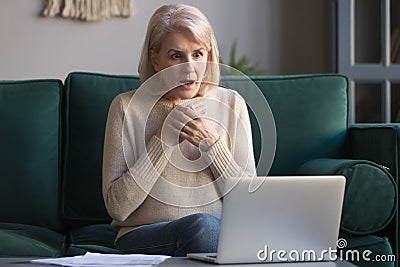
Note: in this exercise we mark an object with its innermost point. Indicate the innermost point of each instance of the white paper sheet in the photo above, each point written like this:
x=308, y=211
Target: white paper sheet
x=102, y=260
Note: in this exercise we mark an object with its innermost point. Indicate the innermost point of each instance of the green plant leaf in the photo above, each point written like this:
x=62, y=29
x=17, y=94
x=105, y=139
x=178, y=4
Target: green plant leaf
x=232, y=56
x=242, y=64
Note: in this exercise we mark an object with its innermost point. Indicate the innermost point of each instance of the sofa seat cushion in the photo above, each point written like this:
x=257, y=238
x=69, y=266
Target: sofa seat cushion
x=370, y=196
x=377, y=250
x=92, y=238
x=19, y=240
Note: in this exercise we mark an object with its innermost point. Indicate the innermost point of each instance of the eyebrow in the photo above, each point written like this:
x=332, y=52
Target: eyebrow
x=177, y=50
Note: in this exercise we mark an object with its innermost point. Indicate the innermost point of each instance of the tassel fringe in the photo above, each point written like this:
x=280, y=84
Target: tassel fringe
x=88, y=10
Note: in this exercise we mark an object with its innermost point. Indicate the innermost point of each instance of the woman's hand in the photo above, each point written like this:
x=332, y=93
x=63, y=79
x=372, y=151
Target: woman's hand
x=197, y=127
x=187, y=123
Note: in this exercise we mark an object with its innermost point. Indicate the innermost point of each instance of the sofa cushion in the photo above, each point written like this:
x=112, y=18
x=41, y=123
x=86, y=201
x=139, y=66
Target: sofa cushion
x=30, y=113
x=92, y=238
x=370, y=195
x=19, y=240
x=88, y=97
x=305, y=128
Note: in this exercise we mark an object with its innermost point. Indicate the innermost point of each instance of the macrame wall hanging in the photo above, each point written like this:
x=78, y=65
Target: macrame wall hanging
x=88, y=10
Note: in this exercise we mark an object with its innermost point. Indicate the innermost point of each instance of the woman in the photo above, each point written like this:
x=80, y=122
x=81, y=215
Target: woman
x=170, y=144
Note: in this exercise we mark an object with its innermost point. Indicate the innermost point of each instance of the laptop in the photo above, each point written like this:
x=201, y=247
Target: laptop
x=279, y=219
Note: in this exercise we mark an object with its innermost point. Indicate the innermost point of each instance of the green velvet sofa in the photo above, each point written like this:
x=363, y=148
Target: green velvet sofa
x=51, y=140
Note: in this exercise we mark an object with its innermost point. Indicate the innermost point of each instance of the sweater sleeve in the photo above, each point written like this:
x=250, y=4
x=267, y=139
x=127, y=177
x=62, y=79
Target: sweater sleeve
x=237, y=158
x=126, y=187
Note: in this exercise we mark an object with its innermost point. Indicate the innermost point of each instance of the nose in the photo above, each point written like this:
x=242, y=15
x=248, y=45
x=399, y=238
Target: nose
x=189, y=65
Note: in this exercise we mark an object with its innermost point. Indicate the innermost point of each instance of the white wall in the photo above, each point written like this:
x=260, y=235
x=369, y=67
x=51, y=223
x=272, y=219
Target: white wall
x=283, y=36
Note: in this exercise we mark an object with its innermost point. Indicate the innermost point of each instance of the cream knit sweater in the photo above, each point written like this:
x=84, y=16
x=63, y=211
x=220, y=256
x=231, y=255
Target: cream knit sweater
x=161, y=185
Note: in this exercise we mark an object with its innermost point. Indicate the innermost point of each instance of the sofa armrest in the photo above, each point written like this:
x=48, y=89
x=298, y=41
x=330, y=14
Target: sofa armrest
x=379, y=143
x=370, y=200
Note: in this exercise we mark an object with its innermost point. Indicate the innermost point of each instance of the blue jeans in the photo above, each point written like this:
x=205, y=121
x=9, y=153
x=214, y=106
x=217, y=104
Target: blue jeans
x=196, y=233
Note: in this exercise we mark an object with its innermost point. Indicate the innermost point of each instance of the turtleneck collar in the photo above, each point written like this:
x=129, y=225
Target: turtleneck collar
x=169, y=103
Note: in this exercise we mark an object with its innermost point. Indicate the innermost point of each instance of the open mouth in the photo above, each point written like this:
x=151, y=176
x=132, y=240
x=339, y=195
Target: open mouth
x=187, y=82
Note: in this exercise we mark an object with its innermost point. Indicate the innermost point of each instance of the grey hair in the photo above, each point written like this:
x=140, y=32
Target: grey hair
x=175, y=18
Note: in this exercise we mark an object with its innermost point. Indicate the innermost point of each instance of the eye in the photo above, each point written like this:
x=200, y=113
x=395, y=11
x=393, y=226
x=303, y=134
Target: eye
x=197, y=55
x=176, y=56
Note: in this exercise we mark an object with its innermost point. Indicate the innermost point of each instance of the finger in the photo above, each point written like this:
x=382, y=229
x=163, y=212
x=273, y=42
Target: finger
x=195, y=124
x=184, y=135
x=199, y=129
x=195, y=133
x=192, y=139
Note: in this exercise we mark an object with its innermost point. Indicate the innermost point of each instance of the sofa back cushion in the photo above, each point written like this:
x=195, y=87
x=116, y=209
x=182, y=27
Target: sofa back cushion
x=310, y=114
x=30, y=115
x=88, y=97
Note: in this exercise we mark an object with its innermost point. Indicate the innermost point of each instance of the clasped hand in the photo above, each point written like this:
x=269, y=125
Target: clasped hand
x=187, y=123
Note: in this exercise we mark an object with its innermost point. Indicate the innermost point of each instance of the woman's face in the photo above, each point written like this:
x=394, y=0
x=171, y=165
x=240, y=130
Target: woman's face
x=184, y=80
